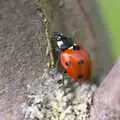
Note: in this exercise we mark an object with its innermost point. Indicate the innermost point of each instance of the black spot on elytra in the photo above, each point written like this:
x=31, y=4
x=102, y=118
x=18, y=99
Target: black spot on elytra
x=81, y=62
x=68, y=63
x=80, y=76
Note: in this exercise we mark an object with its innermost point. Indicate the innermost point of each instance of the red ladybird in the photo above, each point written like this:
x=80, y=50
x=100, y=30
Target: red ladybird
x=74, y=58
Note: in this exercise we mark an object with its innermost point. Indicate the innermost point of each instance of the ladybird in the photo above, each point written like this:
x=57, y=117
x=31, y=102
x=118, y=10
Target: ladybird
x=74, y=58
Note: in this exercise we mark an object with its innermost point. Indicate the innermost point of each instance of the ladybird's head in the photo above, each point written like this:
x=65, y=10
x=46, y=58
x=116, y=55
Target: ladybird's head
x=63, y=42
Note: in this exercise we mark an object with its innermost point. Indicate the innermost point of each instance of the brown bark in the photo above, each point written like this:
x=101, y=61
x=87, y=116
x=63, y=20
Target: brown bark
x=106, y=103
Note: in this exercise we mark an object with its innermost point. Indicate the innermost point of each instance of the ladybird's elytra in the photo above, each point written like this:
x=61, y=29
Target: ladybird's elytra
x=81, y=63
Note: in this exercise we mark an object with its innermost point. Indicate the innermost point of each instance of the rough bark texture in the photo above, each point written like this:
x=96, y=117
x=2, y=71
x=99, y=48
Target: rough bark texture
x=107, y=98
x=22, y=46
x=22, y=56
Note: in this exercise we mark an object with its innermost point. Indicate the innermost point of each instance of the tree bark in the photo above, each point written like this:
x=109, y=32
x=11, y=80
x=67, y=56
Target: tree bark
x=106, y=103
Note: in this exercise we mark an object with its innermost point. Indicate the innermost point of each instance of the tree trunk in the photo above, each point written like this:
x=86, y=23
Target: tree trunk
x=106, y=103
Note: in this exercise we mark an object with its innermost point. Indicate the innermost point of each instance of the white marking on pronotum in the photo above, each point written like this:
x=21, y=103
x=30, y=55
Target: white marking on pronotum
x=72, y=46
x=59, y=43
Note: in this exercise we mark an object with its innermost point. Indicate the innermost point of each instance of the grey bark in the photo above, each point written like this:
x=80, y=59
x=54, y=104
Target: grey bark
x=22, y=53
x=22, y=47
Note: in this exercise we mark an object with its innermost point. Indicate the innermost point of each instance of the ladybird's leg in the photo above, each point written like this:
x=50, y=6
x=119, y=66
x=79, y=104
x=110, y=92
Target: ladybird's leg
x=63, y=83
x=58, y=65
x=58, y=60
x=60, y=69
x=63, y=80
x=62, y=73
